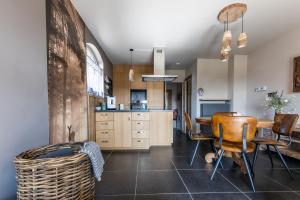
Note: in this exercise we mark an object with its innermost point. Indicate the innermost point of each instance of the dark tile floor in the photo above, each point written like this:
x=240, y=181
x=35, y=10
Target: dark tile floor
x=163, y=173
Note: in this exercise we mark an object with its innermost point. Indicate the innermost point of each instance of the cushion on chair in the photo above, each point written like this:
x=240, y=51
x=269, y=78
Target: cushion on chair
x=268, y=141
x=201, y=136
x=235, y=147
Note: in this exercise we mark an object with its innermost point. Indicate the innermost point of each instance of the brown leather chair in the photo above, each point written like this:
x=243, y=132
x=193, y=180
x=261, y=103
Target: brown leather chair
x=235, y=134
x=196, y=136
x=228, y=113
x=284, y=124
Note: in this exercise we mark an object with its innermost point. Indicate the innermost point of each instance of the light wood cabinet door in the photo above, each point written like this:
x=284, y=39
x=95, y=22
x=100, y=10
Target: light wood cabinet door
x=104, y=116
x=140, y=70
x=121, y=85
x=155, y=95
x=161, y=128
x=122, y=129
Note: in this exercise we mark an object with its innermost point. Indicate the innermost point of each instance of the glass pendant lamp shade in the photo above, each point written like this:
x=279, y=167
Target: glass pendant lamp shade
x=227, y=37
x=242, y=41
x=131, y=72
x=224, y=54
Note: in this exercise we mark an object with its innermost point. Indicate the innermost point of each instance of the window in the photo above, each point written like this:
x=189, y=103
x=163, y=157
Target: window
x=95, y=73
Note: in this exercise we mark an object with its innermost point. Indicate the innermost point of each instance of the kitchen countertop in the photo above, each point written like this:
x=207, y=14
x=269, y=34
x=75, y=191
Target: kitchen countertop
x=160, y=110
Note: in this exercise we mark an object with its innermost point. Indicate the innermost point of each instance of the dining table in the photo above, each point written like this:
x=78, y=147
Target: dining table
x=261, y=124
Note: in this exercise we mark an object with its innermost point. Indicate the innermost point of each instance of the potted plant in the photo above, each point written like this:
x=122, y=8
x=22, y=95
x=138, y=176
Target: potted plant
x=279, y=103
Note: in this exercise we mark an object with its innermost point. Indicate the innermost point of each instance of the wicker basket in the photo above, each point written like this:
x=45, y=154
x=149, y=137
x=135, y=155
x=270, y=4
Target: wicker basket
x=68, y=177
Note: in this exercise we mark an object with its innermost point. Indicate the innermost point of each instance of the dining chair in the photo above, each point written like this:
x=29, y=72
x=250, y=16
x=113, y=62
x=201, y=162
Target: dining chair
x=284, y=125
x=194, y=136
x=235, y=134
x=227, y=113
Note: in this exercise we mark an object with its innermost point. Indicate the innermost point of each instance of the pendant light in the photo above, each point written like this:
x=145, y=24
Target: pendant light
x=229, y=14
x=227, y=37
x=131, y=72
x=242, y=41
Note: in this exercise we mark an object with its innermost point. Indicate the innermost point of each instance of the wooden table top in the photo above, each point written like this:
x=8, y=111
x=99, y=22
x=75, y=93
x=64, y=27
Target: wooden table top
x=261, y=123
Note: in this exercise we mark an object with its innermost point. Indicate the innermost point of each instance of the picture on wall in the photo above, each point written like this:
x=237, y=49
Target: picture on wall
x=296, y=77
x=66, y=72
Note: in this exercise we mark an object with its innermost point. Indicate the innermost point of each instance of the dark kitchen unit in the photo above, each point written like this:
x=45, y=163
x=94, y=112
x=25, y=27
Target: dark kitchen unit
x=209, y=107
x=138, y=99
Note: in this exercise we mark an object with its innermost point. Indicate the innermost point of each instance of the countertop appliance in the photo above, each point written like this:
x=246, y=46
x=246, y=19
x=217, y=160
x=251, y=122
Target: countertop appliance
x=111, y=103
x=138, y=99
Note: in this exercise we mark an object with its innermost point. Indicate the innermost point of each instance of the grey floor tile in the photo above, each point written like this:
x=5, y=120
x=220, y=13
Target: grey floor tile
x=152, y=182
x=164, y=197
x=118, y=197
x=199, y=181
x=220, y=196
x=122, y=161
x=261, y=182
x=116, y=183
x=274, y=196
x=155, y=163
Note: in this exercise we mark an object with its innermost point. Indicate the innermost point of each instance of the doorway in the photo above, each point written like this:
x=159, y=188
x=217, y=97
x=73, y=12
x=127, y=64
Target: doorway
x=174, y=102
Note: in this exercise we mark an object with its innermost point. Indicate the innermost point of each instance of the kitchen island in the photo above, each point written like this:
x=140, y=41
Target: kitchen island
x=133, y=129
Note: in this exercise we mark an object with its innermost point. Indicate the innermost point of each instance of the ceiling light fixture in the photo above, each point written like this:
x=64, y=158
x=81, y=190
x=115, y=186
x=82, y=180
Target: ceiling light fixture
x=242, y=41
x=229, y=14
x=131, y=72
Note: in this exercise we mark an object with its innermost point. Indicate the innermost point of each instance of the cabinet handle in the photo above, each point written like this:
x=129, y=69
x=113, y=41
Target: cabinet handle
x=104, y=141
x=140, y=141
x=139, y=114
x=140, y=123
x=105, y=132
x=140, y=132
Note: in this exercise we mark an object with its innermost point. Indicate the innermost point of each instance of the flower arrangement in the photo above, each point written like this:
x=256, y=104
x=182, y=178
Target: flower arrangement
x=278, y=102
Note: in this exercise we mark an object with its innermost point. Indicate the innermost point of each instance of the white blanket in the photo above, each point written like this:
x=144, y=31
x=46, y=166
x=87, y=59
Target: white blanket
x=92, y=149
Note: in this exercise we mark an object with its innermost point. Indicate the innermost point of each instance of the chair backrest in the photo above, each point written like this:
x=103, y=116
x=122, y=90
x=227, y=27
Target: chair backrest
x=188, y=121
x=284, y=124
x=233, y=127
x=227, y=113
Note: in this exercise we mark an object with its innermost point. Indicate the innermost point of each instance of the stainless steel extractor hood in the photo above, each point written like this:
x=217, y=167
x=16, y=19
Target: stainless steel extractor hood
x=159, y=68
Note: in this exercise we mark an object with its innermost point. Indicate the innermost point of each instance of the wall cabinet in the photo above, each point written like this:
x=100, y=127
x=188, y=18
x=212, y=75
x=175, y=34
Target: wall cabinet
x=122, y=86
x=155, y=95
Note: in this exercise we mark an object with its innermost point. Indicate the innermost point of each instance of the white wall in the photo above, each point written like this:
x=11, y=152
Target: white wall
x=272, y=65
x=180, y=73
x=237, y=80
x=212, y=76
x=23, y=85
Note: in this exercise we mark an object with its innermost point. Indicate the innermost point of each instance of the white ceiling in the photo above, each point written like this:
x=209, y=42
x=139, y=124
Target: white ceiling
x=186, y=28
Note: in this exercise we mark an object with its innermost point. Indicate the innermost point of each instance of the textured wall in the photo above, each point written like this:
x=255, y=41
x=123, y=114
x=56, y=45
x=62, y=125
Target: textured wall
x=272, y=65
x=23, y=77
x=66, y=72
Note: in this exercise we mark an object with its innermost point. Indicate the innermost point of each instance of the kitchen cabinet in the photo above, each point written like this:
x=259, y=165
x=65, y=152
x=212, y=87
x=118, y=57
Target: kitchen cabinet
x=161, y=128
x=121, y=85
x=105, y=130
x=155, y=95
x=133, y=130
x=122, y=129
x=140, y=70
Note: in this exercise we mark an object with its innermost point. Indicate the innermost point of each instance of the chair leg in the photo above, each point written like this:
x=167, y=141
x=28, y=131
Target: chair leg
x=251, y=166
x=248, y=170
x=217, y=164
x=283, y=161
x=215, y=151
x=255, y=156
x=194, y=154
x=270, y=155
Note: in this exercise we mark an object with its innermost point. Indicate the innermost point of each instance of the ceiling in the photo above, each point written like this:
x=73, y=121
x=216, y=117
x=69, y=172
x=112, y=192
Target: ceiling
x=187, y=29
